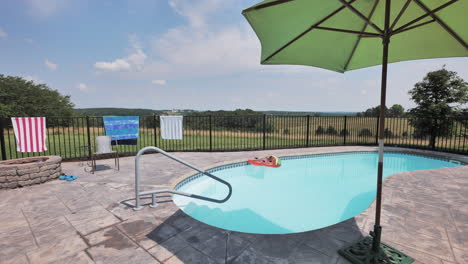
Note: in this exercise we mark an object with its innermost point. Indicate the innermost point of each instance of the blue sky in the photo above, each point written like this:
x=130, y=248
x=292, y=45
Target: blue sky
x=165, y=54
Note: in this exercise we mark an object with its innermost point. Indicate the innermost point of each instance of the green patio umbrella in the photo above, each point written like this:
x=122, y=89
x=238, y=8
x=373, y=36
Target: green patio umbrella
x=344, y=35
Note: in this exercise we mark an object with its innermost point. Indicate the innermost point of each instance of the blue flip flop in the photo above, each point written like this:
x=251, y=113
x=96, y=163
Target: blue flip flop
x=63, y=177
x=70, y=177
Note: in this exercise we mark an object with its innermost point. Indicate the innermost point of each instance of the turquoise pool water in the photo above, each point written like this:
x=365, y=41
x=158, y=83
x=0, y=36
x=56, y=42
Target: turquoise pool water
x=305, y=193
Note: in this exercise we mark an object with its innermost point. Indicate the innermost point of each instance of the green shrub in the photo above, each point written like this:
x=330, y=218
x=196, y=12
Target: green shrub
x=388, y=133
x=319, y=131
x=344, y=132
x=365, y=132
x=331, y=131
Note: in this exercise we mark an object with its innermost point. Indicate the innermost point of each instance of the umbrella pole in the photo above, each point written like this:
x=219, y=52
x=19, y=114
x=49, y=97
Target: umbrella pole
x=383, y=94
x=370, y=250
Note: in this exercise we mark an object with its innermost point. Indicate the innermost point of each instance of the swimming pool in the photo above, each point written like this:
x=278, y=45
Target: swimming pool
x=307, y=192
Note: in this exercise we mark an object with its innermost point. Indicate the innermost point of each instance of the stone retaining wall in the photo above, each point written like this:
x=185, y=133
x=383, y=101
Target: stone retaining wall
x=24, y=174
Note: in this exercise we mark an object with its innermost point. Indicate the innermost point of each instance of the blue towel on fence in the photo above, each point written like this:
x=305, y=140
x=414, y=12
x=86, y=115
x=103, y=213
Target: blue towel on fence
x=122, y=128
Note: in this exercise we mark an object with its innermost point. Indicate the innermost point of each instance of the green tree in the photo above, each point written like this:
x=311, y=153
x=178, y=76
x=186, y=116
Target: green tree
x=396, y=111
x=19, y=97
x=372, y=112
x=439, y=97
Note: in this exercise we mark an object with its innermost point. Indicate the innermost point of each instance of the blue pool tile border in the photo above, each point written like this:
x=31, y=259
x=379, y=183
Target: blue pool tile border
x=304, y=156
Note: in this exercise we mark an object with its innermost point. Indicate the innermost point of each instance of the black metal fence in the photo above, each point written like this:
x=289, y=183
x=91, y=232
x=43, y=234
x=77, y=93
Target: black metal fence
x=70, y=138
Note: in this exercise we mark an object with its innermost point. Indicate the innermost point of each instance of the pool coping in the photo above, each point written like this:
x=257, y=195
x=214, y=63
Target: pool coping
x=188, y=177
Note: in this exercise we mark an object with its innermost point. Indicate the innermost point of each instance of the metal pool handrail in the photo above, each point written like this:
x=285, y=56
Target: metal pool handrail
x=154, y=192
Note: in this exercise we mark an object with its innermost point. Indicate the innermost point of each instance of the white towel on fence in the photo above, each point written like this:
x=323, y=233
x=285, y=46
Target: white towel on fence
x=30, y=133
x=171, y=127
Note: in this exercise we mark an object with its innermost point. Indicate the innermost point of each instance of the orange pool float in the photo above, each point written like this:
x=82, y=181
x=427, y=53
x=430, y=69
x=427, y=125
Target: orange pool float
x=270, y=161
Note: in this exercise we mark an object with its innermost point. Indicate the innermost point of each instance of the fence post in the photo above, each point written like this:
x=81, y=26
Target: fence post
x=264, y=131
x=89, y=137
x=377, y=133
x=2, y=139
x=211, y=135
x=308, y=130
x=154, y=128
x=345, y=129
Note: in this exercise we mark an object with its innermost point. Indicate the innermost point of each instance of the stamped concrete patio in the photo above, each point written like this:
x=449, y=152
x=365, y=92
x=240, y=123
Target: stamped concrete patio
x=89, y=220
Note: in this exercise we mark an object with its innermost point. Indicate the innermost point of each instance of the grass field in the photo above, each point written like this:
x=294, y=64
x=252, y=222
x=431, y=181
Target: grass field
x=286, y=132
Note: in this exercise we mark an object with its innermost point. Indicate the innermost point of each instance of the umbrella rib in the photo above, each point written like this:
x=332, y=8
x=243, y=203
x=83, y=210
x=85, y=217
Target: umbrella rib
x=425, y=15
x=360, y=36
x=363, y=33
x=442, y=24
x=360, y=15
x=400, y=14
x=412, y=27
x=306, y=31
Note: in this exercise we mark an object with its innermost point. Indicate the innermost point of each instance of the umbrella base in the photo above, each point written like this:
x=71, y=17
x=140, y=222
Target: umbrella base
x=360, y=252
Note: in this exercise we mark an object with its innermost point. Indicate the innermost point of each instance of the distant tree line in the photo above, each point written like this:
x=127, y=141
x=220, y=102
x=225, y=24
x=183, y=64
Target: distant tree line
x=395, y=111
x=116, y=112
x=315, y=114
x=239, y=119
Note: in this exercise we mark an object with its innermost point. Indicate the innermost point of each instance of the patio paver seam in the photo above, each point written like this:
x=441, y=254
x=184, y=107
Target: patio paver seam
x=100, y=229
x=136, y=243
x=89, y=254
x=129, y=237
x=30, y=229
x=450, y=209
x=450, y=243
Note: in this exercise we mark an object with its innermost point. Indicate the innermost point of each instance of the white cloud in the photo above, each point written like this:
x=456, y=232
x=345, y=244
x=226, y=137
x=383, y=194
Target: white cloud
x=3, y=34
x=28, y=40
x=83, y=87
x=52, y=66
x=199, y=48
x=188, y=51
x=197, y=11
x=45, y=8
x=159, y=82
x=33, y=79
x=117, y=65
x=205, y=48
x=135, y=61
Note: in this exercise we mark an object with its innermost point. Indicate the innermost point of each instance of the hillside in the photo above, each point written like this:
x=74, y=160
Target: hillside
x=146, y=112
x=117, y=111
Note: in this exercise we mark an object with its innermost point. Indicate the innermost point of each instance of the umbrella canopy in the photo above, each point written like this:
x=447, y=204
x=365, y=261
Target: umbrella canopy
x=344, y=35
